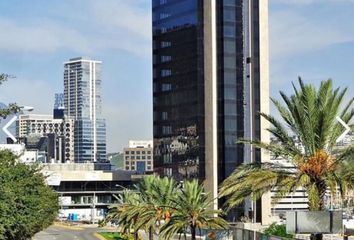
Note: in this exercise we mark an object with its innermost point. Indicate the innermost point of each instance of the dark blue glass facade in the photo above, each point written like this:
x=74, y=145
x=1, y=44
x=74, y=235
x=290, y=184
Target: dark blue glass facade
x=178, y=87
x=84, y=140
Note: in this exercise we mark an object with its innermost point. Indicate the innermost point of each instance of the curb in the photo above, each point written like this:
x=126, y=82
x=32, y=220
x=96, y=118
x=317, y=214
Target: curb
x=99, y=236
x=68, y=227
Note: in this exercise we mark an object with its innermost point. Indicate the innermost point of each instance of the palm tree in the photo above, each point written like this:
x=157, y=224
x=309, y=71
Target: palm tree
x=126, y=212
x=157, y=194
x=192, y=210
x=306, y=135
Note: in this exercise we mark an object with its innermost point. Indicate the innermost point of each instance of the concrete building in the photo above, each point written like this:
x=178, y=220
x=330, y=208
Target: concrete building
x=210, y=81
x=59, y=131
x=291, y=202
x=84, y=190
x=138, y=157
x=82, y=101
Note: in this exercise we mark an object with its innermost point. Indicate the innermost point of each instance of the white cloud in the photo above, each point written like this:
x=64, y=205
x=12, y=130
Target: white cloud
x=128, y=16
x=45, y=37
x=105, y=25
x=292, y=34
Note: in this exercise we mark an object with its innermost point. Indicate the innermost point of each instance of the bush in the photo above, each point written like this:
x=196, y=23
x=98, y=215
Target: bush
x=277, y=230
x=27, y=204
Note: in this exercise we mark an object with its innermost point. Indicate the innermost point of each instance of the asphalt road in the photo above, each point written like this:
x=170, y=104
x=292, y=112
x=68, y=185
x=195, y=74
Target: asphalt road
x=60, y=233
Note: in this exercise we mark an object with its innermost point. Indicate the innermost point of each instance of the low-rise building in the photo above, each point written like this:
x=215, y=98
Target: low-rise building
x=138, y=157
x=83, y=190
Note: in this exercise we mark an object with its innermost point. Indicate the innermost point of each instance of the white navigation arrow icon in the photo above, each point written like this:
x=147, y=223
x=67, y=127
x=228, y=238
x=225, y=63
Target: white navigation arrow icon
x=347, y=129
x=5, y=129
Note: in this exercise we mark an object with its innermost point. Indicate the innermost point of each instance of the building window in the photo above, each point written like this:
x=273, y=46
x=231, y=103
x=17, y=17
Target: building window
x=166, y=87
x=132, y=157
x=142, y=152
x=126, y=152
x=126, y=157
x=229, y=31
x=166, y=44
x=227, y=3
x=132, y=152
x=164, y=115
x=137, y=157
x=143, y=157
x=149, y=162
x=137, y=152
x=229, y=15
x=164, y=15
x=148, y=152
x=166, y=130
x=166, y=72
x=168, y=171
x=166, y=58
x=148, y=157
x=127, y=162
x=127, y=168
x=167, y=158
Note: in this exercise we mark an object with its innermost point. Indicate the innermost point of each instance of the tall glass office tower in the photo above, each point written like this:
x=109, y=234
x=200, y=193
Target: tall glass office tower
x=82, y=100
x=210, y=81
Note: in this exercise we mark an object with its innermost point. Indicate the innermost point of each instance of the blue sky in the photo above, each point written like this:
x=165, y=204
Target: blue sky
x=310, y=38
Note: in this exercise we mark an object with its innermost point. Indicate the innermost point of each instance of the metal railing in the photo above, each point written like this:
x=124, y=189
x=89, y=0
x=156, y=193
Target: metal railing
x=239, y=234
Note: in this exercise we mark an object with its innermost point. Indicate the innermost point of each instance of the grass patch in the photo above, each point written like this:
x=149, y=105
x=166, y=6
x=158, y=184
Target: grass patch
x=111, y=235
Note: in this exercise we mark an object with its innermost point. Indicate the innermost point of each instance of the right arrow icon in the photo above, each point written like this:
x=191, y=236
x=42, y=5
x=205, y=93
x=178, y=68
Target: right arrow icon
x=347, y=129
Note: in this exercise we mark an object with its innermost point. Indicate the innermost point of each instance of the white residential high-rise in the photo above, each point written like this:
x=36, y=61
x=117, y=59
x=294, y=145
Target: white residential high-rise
x=82, y=100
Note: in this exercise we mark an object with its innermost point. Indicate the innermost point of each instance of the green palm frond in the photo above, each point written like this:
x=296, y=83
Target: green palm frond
x=254, y=179
x=305, y=135
x=192, y=210
x=276, y=149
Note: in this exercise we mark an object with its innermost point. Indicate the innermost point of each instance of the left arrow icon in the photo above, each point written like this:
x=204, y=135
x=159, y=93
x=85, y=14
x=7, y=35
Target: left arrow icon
x=5, y=129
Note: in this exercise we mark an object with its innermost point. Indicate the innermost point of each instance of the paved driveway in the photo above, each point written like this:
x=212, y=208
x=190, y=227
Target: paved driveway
x=60, y=233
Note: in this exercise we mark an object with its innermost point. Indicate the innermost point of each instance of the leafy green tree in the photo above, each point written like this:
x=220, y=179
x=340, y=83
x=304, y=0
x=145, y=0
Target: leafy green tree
x=27, y=204
x=306, y=135
x=192, y=211
x=12, y=107
x=278, y=230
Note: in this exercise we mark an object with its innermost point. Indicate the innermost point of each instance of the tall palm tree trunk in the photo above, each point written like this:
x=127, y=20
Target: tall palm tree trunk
x=151, y=234
x=320, y=206
x=193, y=232
x=136, y=234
